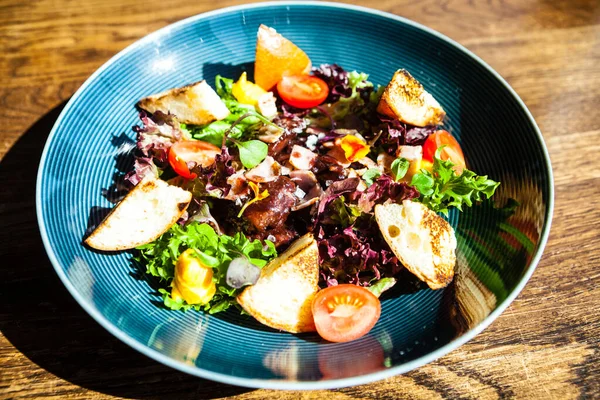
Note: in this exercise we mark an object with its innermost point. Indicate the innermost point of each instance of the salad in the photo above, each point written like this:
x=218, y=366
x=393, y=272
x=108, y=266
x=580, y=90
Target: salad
x=297, y=198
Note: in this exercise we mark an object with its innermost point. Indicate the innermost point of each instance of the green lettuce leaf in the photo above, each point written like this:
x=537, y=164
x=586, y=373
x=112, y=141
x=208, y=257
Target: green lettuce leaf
x=214, y=250
x=358, y=80
x=243, y=121
x=224, y=87
x=344, y=214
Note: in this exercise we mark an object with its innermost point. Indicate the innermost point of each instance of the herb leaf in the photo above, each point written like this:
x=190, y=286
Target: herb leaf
x=424, y=183
x=400, y=168
x=252, y=152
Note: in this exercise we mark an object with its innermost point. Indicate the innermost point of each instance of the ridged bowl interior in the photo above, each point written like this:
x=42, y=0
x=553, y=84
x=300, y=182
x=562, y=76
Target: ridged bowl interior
x=498, y=246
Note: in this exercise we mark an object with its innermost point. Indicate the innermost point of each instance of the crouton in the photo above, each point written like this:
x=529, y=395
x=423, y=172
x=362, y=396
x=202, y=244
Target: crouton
x=405, y=99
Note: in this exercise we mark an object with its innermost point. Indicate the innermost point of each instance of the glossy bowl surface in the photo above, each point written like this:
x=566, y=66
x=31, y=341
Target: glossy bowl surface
x=497, y=252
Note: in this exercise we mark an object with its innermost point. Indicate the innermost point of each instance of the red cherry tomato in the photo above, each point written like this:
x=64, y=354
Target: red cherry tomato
x=197, y=151
x=345, y=312
x=302, y=91
x=451, y=152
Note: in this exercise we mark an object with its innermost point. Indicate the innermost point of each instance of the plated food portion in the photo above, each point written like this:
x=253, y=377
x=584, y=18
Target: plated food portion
x=297, y=198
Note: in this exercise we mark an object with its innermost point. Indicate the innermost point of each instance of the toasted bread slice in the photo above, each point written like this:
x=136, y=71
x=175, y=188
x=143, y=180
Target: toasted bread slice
x=148, y=211
x=422, y=240
x=196, y=104
x=405, y=99
x=277, y=57
x=282, y=297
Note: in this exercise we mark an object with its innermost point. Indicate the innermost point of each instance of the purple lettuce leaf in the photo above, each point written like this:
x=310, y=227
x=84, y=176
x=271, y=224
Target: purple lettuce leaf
x=396, y=133
x=214, y=177
x=337, y=81
x=142, y=166
x=160, y=124
x=357, y=254
x=291, y=119
x=416, y=136
x=335, y=190
x=154, y=139
x=384, y=189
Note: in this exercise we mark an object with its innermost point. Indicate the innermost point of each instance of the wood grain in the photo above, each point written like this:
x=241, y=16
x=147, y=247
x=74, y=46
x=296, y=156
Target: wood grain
x=544, y=346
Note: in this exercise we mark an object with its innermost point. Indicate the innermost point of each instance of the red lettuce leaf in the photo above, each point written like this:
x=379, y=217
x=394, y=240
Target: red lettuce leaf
x=396, y=133
x=154, y=139
x=384, y=189
x=337, y=81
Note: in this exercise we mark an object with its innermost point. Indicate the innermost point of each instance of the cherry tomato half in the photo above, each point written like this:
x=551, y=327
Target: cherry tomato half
x=345, y=312
x=185, y=151
x=302, y=91
x=452, y=151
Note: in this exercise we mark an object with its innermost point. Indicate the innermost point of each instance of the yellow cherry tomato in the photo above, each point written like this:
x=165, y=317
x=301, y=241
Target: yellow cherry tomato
x=193, y=281
x=424, y=164
x=415, y=167
x=247, y=92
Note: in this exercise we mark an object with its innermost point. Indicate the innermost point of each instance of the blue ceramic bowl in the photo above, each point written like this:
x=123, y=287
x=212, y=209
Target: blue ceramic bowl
x=498, y=247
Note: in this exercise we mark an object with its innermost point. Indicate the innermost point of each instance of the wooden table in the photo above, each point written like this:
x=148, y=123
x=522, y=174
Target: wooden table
x=544, y=346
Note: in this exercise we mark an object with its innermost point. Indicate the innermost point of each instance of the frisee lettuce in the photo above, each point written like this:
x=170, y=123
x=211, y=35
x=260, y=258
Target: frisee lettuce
x=358, y=80
x=214, y=250
x=442, y=188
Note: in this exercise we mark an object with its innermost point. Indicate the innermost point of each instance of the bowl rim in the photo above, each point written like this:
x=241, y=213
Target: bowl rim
x=288, y=384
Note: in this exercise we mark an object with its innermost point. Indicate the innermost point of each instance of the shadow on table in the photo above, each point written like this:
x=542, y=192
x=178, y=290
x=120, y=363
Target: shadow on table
x=41, y=319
